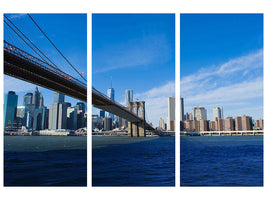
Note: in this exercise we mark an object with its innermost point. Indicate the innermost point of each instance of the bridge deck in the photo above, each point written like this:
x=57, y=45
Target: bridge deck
x=101, y=101
x=24, y=66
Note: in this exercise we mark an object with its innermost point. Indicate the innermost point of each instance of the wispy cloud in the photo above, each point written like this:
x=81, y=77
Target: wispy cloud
x=135, y=53
x=238, y=81
x=157, y=101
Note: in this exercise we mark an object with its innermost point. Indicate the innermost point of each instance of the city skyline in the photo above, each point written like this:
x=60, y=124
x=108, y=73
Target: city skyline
x=138, y=52
x=67, y=31
x=222, y=63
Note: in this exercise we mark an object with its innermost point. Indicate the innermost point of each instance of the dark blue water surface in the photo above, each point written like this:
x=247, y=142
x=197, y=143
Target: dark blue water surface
x=221, y=161
x=125, y=161
x=45, y=161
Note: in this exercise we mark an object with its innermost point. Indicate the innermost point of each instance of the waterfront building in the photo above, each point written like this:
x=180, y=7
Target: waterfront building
x=229, y=124
x=128, y=96
x=72, y=118
x=27, y=99
x=188, y=125
x=261, y=124
x=59, y=98
x=107, y=123
x=161, y=124
x=190, y=116
x=257, y=124
x=171, y=114
x=246, y=123
x=58, y=116
x=203, y=125
x=53, y=116
x=94, y=121
x=219, y=124
x=199, y=113
x=186, y=116
x=217, y=113
x=80, y=106
x=195, y=125
x=181, y=109
x=238, y=124
x=21, y=114
x=212, y=126
x=102, y=113
x=29, y=120
x=10, y=110
x=40, y=118
x=62, y=116
x=81, y=119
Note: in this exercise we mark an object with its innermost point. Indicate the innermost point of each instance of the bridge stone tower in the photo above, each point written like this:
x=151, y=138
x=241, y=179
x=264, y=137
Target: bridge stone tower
x=137, y=129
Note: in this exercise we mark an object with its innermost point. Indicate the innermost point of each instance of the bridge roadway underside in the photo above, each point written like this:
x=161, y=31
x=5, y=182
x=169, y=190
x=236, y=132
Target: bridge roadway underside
x=22, y=69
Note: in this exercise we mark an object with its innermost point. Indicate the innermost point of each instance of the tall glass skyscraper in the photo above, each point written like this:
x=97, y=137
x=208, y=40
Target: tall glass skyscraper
x=182, y=118
x=10, y=107
x=111, y=94
x=171, y=114
x=27, y=99
x=128, y=96
x=59, y=98
x=217, y=113
x=36, y=98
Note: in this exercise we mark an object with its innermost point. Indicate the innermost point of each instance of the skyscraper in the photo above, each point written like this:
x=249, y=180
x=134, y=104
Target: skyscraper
x=171, y=114
x=36, y=98
x=27, y=99
x=128, y=96
x=41, y=101
x=217, y=113
x=59, y=98
x=21, y=114
x=58, y=116
x=80, y=106
x=72, y=118
x=102, y=113
x=246, y=123
x=199, y=113
x=111, y=94
x=182, y=109
x=10, y=107
x=40, y=118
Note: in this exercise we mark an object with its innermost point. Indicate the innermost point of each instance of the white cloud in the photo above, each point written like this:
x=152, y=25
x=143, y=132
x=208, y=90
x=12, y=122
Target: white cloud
x=135, y=53
x=157, y=102
x=235, y=84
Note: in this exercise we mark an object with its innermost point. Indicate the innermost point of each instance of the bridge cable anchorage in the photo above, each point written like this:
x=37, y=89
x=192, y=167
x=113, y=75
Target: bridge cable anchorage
x=30, y=42
x=56, y=47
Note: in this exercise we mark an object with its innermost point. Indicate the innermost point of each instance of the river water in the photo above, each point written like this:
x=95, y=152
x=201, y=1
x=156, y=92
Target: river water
x=125, y=161
x=45, y=161
x=221, y=161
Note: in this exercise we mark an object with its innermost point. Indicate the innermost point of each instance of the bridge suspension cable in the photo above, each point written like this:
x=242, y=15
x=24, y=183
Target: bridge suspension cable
x=56, y=47
x=24, y=40
x=29, y=41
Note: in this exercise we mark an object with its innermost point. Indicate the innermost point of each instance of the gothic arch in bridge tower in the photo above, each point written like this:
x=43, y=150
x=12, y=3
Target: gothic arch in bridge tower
x=137, y=129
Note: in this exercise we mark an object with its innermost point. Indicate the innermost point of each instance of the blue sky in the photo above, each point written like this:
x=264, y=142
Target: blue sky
x=67, y=31
x=221, y=63
x=138, y=52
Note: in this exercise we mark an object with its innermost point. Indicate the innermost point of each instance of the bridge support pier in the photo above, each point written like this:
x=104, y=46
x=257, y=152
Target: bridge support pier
x=137, y=129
